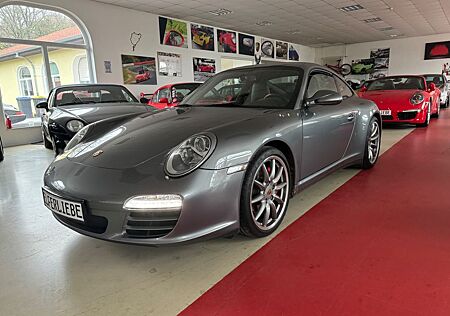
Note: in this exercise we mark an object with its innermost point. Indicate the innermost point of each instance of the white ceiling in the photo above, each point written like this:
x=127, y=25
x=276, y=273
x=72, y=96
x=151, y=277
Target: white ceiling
x=310, y=22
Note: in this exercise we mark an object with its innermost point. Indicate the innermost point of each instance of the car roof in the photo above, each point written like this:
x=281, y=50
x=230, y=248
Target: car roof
x=403, y=76
x=76, y=85
x=302, y=65
x=170, y=85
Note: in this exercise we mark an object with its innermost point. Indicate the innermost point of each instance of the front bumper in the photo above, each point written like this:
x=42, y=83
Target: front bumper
x=413, y=116
x=210, y=203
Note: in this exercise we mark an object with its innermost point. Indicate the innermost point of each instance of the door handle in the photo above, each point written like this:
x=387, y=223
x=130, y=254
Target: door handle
x=351, y=116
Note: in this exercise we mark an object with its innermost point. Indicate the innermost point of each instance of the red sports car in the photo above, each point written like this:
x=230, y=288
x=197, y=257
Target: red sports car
x=404, y=99
x=206, y=68
x=143, y=75
x=228, y=41
x=170, y=95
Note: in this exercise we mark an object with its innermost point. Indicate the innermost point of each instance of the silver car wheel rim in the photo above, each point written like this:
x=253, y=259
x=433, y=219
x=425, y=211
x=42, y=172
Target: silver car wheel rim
x=374, y=142
x=269, y=193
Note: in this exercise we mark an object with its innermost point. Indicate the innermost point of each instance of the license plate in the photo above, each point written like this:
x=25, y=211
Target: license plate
x=385, y=112
x=70, y=209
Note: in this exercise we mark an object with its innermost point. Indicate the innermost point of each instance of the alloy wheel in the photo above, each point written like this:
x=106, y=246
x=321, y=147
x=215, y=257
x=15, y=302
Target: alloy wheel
x=269, y=193
x=374, y=142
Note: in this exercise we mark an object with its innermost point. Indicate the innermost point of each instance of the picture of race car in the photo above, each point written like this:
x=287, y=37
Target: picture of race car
x=202, y=37
x=227, y=41
x=143, y=75
x=206, y=68
x=363, y=67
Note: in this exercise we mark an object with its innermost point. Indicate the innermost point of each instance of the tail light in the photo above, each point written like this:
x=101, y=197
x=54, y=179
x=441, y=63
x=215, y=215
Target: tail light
x=20, y=113
x=8, y=123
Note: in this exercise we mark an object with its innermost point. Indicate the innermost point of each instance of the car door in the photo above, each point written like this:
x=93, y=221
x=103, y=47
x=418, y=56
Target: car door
x=327, y=129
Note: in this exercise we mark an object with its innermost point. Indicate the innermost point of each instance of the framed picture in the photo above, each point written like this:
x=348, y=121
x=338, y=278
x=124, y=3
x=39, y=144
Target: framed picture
x=172, y=32
x=437, y=50
x=169, y=64
x=202, y=37
x=267, y=48
x=204, y=68
x=226, y=41
x=282, y=50
x=293, y=53
x=139, y=70
x=246, y=44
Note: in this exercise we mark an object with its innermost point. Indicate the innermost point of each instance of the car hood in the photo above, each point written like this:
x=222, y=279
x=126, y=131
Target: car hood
x=390, y=98
x=93, y=113
x=153, y=135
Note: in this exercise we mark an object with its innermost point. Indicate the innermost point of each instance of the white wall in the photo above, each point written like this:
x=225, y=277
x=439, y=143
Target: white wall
x=407, y=54
x=110, y=28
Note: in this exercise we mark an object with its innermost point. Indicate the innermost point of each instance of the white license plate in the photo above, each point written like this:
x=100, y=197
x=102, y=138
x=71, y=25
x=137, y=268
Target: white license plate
x=70, y=209
x=385, y=112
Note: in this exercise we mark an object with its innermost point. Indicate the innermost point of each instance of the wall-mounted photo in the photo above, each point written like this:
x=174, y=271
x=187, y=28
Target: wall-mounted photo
x=293, y=53
x=363, y=66
x=226, y=41
x=202, y=37
x=204, y=68
x=381, y=57
x=282, y=50
x=169, y=64
x=139, y=70
x=246, y=44
x=437, y=50
x=173, y=32
x=267, y=48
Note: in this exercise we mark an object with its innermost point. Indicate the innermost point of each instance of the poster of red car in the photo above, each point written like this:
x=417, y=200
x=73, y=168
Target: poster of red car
x=204, y=68
x=437, y=50
x=139, y=70
x=173, y=32
x=226, y=41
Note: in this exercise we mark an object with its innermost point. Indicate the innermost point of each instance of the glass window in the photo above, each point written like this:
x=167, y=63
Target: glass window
x=438, y=80
x=25, y=82
x=319, y=82
x=271, y=87
x=180, y=91
x=92, y=94
x=163, y=93
x=343, y=89
x=82, y=70
x=397, y=83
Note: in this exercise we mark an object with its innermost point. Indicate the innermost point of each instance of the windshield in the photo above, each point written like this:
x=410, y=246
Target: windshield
x=397, y=83
x=436, y=79
x=92, y=94
x=180, y=91
x=265, y=87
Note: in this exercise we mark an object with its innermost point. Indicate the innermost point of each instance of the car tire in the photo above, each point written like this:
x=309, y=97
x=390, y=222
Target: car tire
x=372, y=144
x=345, y=69
x=47, y=144
x=427, y=120
x=265, y=193
x=2, y=152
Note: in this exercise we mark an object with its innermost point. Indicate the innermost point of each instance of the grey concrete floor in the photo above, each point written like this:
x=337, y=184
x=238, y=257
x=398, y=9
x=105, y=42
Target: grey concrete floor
x=47, y=269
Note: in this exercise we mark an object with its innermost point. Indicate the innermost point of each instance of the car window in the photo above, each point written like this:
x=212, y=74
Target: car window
x=155, y=97
x=343, y=89
x=397, y=83
x=179, y=92
x=163, y=93
x=263, y=87
x=319, y=82
x=78, y=95
x=438, y=80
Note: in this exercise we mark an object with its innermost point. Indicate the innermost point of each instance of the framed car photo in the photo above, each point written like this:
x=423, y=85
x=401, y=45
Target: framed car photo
x=437, y=50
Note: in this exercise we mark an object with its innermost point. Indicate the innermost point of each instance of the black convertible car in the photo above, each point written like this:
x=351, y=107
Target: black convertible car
x=70, y=108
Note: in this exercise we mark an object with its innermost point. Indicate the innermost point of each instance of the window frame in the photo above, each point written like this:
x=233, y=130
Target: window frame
x=27, y=81
x=316, y=72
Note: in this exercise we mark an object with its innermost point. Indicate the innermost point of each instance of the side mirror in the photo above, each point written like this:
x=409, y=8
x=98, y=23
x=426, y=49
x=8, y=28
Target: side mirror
x=144, y=100
x=325, y=97
x=42, y=105
x=164, y=100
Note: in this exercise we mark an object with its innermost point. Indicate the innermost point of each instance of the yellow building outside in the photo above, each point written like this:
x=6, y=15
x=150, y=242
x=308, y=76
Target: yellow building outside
x=68, y=66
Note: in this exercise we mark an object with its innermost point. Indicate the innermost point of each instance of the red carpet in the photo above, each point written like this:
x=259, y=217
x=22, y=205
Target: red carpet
x=379, y=245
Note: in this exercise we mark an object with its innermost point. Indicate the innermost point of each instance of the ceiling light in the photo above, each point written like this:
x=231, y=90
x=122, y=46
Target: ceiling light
x=372, y=20
x=393, y=35
x=352, y=8
x=385, y=29
x=294, y=32
x=220, y=12
x=264, y=23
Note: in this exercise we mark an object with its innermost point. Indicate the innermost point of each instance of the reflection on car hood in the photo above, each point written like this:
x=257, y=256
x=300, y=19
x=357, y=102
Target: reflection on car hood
x=92, y=113
x=152, y=135
x=390, y=98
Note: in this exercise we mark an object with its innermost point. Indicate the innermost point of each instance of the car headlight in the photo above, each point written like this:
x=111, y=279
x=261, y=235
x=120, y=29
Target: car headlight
x=417, y=98
x=74, y=126
x=77, y=138
x=190, y=154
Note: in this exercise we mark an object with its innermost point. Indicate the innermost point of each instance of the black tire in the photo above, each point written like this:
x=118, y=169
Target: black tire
x=368, y=160
x=436, y=115
x=248, y=224
x=2, y=153
x=346, y=69
x=427, y=120
x=47, y=144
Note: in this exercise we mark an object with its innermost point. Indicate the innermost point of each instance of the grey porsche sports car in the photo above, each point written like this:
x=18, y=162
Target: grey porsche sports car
x=217, y=164
x=69, y=108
